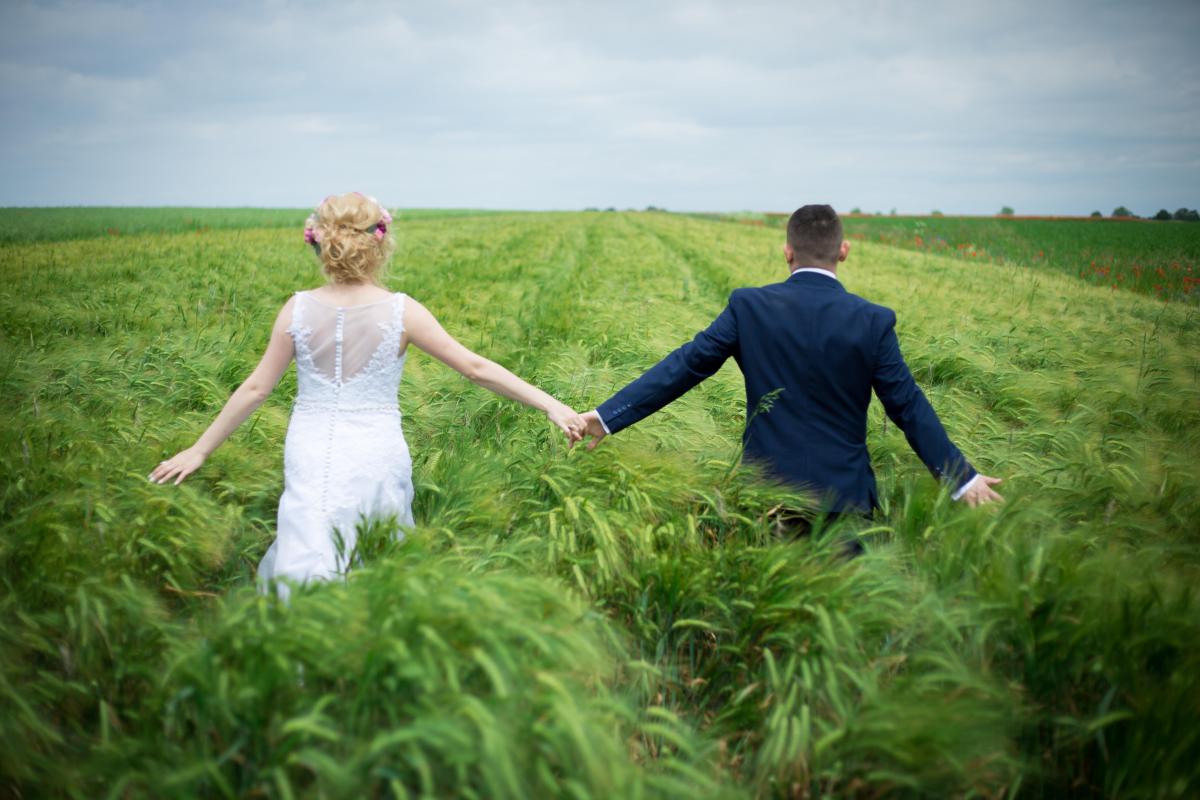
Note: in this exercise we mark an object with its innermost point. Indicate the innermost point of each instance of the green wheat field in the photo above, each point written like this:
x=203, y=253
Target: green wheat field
x=620, y=623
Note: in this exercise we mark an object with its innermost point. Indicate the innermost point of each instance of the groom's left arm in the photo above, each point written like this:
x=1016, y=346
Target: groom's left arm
x=672, y=377
x=908, y=407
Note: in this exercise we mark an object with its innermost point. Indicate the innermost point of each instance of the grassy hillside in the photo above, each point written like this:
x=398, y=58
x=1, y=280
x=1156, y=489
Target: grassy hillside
x=1160, y=259
x=618, y=623
x=56, y=224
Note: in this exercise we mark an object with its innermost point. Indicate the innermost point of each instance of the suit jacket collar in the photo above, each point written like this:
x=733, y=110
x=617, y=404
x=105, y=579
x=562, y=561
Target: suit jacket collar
x=815, y=280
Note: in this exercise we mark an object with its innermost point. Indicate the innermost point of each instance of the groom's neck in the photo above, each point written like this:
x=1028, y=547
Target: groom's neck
x=827, y=267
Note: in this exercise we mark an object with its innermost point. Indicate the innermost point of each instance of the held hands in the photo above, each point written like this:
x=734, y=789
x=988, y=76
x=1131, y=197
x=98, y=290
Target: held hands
x=980, y=491
x=178, y=466
x=567, y=420
x=577, y=426
x=593, y=428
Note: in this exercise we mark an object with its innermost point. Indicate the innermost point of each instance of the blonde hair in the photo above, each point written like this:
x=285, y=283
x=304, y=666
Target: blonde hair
x=344, y=228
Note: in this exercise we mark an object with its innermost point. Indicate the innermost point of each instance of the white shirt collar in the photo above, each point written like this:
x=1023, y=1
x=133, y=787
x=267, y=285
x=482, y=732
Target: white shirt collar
x=818, y=270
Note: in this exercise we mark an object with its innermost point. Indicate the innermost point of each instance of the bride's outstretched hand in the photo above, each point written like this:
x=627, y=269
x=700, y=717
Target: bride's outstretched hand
x=567, y=420
x=178, y=466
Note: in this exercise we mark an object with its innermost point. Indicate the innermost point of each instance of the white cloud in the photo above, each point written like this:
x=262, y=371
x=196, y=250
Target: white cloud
x=667, y=130
x=963, y=106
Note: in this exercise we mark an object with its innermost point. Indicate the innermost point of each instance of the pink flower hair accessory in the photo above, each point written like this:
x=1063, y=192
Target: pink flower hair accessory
x=312, y=234
x=381, y=227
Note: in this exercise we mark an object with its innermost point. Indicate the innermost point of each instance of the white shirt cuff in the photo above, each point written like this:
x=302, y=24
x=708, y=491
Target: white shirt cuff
x=959, y=492
x=596, y=411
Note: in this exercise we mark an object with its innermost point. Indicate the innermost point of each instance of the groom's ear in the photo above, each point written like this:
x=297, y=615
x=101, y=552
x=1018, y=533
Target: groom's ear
x=844, y=250
x=789, y=253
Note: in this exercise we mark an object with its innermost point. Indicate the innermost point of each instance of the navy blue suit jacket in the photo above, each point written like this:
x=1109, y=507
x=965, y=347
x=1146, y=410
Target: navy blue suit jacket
x=825, y=349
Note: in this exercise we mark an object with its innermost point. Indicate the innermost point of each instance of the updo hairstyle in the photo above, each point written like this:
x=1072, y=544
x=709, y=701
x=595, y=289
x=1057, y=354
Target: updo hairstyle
x=350, y=234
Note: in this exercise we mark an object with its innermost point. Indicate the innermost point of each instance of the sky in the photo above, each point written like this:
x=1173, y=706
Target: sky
x=965, y=107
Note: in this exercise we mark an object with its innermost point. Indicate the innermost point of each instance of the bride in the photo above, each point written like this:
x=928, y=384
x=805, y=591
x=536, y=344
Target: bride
x=344, y=455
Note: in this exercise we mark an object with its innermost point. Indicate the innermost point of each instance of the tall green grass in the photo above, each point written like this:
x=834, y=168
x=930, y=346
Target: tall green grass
x=627, y=622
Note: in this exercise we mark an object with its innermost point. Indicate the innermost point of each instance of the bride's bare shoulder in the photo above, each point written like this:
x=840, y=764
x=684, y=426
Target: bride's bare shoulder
x=412, y=304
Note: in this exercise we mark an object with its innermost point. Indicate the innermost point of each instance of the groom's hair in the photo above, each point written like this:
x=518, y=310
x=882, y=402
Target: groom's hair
x=815, y=234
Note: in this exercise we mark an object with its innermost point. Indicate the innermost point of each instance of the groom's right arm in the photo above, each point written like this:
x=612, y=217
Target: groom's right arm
x=672, y=377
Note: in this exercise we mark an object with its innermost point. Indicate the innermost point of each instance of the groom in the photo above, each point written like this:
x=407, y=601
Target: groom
x=811, y=352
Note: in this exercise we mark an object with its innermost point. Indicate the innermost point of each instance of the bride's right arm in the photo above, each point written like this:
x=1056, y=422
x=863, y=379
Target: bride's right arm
x=241, y=404
x=422, y=329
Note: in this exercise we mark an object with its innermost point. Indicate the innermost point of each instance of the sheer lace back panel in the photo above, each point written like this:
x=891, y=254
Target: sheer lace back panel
x=347, y=355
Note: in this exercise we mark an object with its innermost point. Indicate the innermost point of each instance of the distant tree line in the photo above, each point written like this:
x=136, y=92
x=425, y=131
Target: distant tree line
x=1120, y=212
x=1181, y=215
x=611, y=208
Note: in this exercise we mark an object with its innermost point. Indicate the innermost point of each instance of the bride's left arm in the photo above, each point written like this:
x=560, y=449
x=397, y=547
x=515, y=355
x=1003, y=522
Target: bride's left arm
x=422, y=329
x=240, y=405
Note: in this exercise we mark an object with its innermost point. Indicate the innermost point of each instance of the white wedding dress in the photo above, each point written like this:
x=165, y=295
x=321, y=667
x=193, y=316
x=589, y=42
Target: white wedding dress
x=344, y=458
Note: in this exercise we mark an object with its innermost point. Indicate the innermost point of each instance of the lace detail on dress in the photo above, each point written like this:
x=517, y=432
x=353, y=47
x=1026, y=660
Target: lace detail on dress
x=389, y=345
x=361, y=342
x=301, y=333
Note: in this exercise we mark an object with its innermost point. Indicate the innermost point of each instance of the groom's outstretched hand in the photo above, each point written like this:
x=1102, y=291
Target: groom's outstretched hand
x=980, y=491
x=593, y=428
